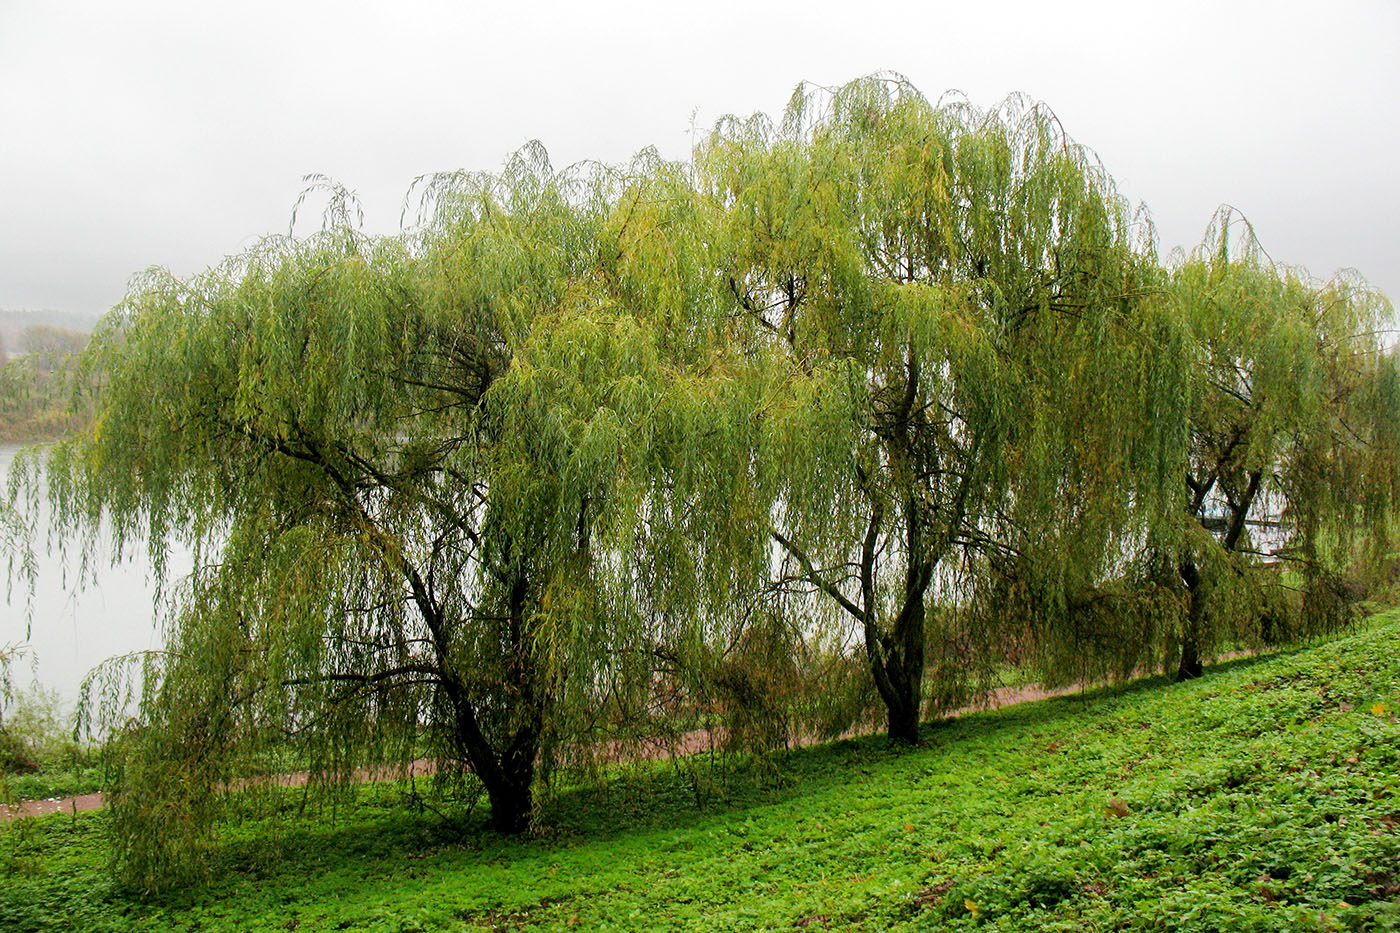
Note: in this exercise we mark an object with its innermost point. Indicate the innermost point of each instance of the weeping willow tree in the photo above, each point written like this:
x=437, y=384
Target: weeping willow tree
x=1292, y=456
x=606, y=446
x=420, y=473
x=955, y=298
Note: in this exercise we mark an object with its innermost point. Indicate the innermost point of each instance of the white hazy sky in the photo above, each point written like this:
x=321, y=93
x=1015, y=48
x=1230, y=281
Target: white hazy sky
x=143, y=133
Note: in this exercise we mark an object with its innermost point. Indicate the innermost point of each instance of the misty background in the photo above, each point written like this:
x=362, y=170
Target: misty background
x=152, y=133
x=162, y=133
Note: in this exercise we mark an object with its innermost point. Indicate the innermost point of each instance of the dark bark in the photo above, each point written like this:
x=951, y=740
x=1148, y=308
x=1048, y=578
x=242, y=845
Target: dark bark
x=903, y=722
x=904, y=664
x=904, y=648
x=897, y=656
x=895, y=650
x=1239, y=512
x=897, y=659
x=506, y=767
x=511, y=791
x=506, y=773
x=511, y=804
x=1190, y=666
x=508, y=776
x=898, y=675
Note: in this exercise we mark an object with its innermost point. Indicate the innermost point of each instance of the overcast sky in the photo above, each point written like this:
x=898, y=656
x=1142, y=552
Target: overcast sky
x=142, y=133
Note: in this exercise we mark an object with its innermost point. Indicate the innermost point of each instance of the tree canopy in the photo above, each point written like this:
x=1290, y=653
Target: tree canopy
x=596, y=451
x=975, y=361
x=421, y=472
x=1291, y=459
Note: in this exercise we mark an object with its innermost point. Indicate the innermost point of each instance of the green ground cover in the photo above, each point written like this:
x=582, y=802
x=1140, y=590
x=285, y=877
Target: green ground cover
x=1264, y=797
x=38, y=756
x=55, y=782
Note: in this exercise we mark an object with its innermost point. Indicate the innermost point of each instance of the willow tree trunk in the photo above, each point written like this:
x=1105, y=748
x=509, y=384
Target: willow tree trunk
x=901, y=686
x=511, y=788
x=506, y=764
x=897, y=659
x=1191, y=637
x=509, y=775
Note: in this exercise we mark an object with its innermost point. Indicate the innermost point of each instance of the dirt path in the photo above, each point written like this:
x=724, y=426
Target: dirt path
x=52, y=805
x=92, y=801
x=1001, y=696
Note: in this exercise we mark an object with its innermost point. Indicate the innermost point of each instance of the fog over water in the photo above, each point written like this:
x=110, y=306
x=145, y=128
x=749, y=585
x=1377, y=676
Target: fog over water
x=68, y=629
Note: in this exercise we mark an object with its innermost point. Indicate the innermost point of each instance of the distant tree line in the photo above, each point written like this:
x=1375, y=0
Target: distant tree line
x=35, y=383
x=838, y=418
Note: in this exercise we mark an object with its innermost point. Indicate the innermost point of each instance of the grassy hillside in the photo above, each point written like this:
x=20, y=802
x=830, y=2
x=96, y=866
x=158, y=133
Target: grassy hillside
x=1263, y=797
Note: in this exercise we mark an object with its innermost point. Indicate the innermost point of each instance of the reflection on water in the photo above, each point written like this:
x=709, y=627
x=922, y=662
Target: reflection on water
x=70, y=629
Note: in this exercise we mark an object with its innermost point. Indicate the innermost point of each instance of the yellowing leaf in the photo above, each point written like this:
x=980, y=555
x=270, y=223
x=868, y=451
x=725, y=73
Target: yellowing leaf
x=972, y=907
x=1378, y=708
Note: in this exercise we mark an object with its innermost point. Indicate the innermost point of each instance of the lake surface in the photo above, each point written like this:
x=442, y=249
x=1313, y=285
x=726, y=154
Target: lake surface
x=69, y=629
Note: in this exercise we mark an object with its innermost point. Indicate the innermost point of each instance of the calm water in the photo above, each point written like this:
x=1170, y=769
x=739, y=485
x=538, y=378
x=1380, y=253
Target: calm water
x=70, y=629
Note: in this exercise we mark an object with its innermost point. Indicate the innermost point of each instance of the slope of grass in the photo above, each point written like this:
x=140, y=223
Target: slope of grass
x=1264, y=797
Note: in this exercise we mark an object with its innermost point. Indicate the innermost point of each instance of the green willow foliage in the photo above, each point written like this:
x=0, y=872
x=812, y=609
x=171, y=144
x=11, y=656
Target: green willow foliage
x=1293, y=448
x=978, y=386
x=852, y=409
x=424, y=471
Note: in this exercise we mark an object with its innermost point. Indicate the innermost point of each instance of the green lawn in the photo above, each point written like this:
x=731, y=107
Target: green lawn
x=1264, y=797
